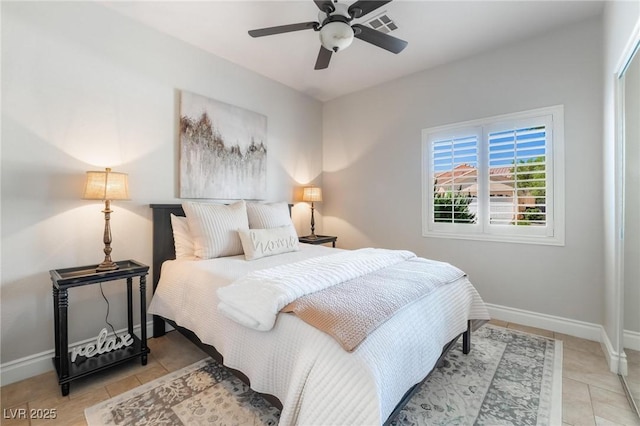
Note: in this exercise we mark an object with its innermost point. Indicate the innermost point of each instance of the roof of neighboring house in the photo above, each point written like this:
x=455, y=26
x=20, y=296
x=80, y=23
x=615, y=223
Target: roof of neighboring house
x=464, y=178
x=464, y=172
x=456, y=175
x=506, y=171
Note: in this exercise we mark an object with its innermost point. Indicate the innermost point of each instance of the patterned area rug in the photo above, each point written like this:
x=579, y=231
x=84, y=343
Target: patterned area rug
x=509, y=378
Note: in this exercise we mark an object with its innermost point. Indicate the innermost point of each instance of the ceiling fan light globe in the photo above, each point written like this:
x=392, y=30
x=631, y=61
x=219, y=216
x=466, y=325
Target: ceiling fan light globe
x=336, y=36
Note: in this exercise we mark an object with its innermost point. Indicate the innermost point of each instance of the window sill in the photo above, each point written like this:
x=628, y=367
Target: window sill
x=518, y=239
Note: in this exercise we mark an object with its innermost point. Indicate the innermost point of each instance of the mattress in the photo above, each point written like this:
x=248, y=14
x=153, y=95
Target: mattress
x=316, y=380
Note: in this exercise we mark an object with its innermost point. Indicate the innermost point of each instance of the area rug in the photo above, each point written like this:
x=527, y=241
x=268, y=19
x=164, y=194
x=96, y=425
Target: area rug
x=508, y=378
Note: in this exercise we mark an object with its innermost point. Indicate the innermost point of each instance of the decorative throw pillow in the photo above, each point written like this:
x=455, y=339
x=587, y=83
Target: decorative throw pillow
x=259, y=243
x=182, y=238
x=268, y=215
x=214, y=227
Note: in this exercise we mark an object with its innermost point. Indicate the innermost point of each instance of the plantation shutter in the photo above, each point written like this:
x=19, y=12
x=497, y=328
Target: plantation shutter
x=497, y=179
x=519, y=172
x=454, y=162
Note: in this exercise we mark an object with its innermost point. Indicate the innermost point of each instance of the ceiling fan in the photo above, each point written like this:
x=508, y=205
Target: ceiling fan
x=336, y=32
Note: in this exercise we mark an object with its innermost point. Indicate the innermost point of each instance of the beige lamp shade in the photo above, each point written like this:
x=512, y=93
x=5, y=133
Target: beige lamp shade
x=312, y=193
x=106, y=185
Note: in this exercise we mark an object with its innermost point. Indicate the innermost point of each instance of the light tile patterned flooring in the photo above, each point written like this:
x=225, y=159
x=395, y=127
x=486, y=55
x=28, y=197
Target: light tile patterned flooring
x=591, y=395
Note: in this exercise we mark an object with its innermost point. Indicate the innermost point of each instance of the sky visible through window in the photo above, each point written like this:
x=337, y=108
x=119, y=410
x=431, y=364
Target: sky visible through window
x=505, y=148
x=451, y=153
x=519, y=145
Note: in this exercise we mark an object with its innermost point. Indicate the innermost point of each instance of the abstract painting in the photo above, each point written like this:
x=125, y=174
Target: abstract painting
x=223, y=150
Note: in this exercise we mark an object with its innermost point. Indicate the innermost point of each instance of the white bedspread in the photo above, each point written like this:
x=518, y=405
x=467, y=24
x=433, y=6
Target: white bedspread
x=255, y=299
x=314, y=378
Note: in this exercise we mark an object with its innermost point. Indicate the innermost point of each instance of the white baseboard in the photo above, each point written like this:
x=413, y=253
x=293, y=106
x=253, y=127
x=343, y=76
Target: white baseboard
x=617, y=361
x=582, y=329
x=631, y=340
x=32, y=365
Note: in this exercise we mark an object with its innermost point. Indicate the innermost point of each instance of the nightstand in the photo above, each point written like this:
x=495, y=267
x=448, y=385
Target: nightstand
x=319, y=239
x=63, y=280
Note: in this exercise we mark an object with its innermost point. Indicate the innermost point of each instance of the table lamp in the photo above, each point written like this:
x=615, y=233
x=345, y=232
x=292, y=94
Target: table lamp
x=312, y=194
x=106, y=186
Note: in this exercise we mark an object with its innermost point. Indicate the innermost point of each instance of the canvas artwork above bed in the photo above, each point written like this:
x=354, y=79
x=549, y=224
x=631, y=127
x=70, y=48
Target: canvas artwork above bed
x=223, y=150
x=230, y=271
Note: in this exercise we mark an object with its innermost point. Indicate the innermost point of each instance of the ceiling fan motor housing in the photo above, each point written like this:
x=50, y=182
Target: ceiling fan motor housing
x=336, y=34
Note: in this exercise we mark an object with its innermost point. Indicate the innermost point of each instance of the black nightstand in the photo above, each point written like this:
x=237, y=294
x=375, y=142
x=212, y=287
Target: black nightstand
x=319, y=239
x=64, y=279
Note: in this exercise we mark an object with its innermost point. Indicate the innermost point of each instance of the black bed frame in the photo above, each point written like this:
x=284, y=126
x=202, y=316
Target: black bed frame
x=164, y=249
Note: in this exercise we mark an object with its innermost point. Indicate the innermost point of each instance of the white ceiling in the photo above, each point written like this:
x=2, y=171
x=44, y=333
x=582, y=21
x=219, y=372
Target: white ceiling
x=437, y=31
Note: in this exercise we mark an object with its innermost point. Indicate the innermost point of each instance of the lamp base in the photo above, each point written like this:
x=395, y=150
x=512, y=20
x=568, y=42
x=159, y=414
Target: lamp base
x=312, y=237
x=107, y=266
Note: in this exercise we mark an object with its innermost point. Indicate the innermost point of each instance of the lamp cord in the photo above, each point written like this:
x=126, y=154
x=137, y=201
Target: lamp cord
x=106, y=317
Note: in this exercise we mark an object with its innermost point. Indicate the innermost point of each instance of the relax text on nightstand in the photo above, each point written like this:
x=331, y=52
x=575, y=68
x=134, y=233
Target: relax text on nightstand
x=102, y=345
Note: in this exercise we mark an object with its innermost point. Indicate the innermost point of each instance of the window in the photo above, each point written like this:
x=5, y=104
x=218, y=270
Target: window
x=498, y=179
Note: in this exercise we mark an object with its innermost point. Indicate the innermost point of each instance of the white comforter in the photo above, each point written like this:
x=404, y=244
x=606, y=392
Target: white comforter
x=314, y=378
x=255, y=299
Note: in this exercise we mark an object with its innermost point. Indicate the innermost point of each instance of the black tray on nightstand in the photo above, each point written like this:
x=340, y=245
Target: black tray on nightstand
x=319, y=239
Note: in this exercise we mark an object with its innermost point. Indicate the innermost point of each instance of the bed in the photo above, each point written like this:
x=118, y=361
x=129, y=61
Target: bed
x=297, y=367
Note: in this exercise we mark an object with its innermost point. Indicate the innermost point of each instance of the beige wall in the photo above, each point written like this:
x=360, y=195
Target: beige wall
x=84, y=88
x=372, y=166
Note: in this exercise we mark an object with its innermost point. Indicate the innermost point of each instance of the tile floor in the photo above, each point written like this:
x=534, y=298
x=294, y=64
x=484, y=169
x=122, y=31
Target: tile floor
x=591, y=395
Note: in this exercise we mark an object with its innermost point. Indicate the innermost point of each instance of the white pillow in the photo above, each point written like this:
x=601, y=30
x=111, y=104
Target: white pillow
x=214, y=228
x=268, y=215
x=259, y=243
x=182, y=238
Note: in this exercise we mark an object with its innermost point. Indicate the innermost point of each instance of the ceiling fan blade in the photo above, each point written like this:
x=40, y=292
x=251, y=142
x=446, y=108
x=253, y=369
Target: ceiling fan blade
x=325, y=5
x=324, y=56
x=362, y=7
x=283, y=29
x=385, y=41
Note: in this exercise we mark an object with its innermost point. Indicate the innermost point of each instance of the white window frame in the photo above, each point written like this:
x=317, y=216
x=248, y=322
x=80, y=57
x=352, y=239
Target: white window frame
x=550, y=234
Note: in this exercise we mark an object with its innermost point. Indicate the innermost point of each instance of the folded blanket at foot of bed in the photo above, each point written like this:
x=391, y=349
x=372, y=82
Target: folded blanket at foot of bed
x=351, y=310
x=256, y=299
x=346, y=295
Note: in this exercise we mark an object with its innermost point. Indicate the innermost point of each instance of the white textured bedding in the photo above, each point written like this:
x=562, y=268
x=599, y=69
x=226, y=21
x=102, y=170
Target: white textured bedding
x=314, y=378
x=255, y=299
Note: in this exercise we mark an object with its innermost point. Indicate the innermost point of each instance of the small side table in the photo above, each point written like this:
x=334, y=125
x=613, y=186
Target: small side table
x=319, y=239
x=64, y=279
